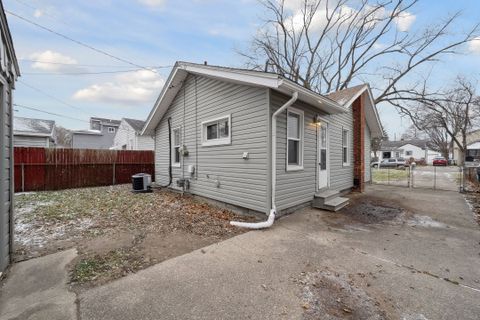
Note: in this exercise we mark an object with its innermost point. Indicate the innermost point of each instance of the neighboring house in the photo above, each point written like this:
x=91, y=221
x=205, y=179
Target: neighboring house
x=473, y=147
x=224, y=145
x=99, y=136
x=416, y=149
x=128, y=136
x=9, y=72
x=28, y=132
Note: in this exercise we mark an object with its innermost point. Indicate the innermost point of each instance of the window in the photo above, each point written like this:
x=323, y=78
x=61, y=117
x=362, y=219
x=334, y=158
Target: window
x=408, y=153
x=216, y=131
x=345, y=155
x=111, y=130
x=294, y=139
x=176, y=137
x=96, y=125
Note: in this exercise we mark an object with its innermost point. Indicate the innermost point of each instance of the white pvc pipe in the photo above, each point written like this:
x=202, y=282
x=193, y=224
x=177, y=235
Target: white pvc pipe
x=273, y=211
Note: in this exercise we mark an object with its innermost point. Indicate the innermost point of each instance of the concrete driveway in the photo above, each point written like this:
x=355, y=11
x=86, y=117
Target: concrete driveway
x=422, y=262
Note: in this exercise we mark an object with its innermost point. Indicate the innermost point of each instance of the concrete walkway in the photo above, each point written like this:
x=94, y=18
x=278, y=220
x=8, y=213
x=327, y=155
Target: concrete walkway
x=37, y=289
x=425, y=265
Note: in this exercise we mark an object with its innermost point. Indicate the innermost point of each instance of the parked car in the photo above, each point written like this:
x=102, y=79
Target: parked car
x=440, y=161
x=390, y=163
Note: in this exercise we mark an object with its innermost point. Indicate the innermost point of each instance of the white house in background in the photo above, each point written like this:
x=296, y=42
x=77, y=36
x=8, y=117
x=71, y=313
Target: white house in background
x=417, y=149
x=128, y=136
x=28, y=132
x=473, y=146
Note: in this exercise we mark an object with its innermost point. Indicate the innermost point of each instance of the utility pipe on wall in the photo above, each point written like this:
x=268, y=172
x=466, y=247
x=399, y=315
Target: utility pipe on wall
x=273, y=210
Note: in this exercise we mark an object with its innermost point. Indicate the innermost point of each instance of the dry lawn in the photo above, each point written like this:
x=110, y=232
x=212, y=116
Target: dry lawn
x=116, y=232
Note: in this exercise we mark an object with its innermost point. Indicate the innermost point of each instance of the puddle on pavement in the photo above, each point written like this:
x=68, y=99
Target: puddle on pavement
x=368, y=210
x=426, y=222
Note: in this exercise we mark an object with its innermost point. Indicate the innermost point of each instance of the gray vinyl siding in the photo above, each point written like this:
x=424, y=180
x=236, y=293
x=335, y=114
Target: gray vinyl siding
x=31, y=141
x=104, y=140
x=297, y=187
x=367, y=155
x=6, y=178
x=240, y=182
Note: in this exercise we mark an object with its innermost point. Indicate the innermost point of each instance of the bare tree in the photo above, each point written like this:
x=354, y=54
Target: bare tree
x=446, y=116
x=325, y=45
x=63, y=137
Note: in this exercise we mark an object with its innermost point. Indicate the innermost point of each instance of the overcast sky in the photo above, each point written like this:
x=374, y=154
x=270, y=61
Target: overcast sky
x=157, y=33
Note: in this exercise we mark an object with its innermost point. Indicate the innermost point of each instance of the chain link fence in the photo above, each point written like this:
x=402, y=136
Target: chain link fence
x=449, y=178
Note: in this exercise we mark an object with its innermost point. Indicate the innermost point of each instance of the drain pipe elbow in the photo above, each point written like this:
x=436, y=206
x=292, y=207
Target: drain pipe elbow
x=273, y=211
x=256, y=225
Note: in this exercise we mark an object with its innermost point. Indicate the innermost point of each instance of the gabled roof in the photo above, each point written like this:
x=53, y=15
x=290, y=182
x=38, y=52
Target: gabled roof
x=8, y=38
x=347, y=96
x=393, y=145
x=137, y=125
x=34, y=127
x=233, y=75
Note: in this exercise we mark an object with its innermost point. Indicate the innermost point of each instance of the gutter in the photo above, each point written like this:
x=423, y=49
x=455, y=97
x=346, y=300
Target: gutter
x=271, y=217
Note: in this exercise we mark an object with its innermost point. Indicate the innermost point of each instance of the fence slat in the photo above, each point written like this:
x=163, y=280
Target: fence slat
x=38, y=169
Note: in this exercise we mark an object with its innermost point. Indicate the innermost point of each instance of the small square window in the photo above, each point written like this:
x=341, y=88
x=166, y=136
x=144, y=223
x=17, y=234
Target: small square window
x=216, y=131
x=111, y=130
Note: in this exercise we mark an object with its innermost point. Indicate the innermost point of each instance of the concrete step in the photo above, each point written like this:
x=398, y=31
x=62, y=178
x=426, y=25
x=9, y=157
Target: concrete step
x=321, y=197
x=334, y=204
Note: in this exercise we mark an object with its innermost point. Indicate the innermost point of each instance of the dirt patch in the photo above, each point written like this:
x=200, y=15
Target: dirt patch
x=473, y=200
x=370, y=210
x=115, y=231
x=329, y=295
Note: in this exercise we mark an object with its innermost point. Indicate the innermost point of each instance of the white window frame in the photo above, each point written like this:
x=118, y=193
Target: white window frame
x=347, y=162
x=218, y=141
x=301, y=139
x=179, y=145
x=111, y=130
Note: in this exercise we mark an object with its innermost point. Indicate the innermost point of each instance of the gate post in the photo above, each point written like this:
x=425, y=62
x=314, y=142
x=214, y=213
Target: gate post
x=462, y=179
x=434, y=178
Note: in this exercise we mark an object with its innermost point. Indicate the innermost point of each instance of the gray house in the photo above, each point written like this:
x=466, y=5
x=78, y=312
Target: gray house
x=128, y=136
x=99, y=136
x=258, y=141
x=28, y=132
x=9, y=72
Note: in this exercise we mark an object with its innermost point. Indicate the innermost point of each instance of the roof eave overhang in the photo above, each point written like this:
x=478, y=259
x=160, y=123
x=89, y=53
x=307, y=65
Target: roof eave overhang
x=265, y=80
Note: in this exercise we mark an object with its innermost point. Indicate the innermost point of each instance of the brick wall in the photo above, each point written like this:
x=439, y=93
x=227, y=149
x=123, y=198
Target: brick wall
x=358, y=109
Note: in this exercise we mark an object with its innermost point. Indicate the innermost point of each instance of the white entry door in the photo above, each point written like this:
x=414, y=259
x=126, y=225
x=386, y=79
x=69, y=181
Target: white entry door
x=323, y=155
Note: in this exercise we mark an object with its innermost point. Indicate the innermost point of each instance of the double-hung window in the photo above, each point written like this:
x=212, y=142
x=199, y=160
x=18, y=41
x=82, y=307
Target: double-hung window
x=176, y=135
x=345, y=151
x=294, y=139
x=217, y=131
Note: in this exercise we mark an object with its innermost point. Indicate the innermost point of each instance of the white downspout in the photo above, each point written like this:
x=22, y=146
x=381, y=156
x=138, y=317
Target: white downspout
x=273, y=210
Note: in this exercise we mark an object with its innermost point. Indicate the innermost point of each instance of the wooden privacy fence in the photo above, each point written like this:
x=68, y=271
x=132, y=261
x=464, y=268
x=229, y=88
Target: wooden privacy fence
x=38, y=169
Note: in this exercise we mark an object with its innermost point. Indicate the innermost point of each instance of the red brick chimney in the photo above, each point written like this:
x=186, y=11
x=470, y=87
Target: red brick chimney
x=358, y=110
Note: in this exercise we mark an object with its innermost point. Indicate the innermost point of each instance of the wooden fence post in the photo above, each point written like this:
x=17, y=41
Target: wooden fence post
x=23, y=177
x=113, y=174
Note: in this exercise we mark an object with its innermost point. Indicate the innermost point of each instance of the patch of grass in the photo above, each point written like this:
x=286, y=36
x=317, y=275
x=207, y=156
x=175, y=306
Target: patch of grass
x=385, y=175
x=111, y=265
